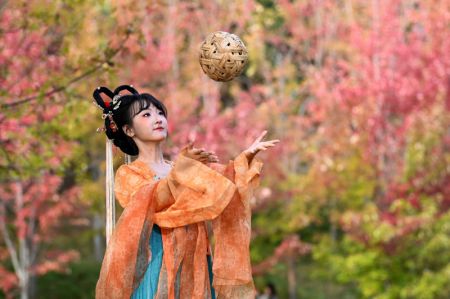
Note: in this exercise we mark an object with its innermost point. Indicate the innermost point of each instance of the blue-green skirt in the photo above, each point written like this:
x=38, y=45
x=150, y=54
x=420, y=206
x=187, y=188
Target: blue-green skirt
x=149, y=285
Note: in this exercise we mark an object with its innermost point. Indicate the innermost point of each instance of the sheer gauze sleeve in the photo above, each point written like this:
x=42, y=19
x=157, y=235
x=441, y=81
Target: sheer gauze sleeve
x=127, y=182
x=232, y=231
x=191, y=193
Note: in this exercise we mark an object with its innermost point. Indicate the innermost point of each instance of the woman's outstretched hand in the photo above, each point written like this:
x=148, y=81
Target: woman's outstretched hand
x=199, y=154
x=259, y=145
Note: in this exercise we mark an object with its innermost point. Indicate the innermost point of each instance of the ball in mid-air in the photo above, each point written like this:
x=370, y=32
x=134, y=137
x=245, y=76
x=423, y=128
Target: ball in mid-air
x=223, y=56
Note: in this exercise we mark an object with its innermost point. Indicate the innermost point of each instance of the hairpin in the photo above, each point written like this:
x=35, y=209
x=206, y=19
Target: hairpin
x=108, y=101
x=116, y=102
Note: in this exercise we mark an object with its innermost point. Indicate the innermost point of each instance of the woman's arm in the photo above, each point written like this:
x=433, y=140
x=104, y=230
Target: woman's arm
x=195, y=192
x=259, y=145
x=168, y=189
x=249, y=154
x=130, y=179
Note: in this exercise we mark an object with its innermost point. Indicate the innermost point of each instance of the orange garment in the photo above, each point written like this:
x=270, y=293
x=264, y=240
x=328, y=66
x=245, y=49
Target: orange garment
x=191, y=194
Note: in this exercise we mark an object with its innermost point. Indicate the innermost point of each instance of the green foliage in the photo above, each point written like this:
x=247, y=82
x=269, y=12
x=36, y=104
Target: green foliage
x=326, y=181
x=416, y=268
x=78, y=283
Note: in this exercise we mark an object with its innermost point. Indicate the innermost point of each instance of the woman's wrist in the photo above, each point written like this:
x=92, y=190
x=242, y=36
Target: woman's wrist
x=249, y=155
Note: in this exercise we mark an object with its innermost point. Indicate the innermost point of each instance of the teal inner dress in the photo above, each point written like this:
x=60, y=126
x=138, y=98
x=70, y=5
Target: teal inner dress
x=149, y=285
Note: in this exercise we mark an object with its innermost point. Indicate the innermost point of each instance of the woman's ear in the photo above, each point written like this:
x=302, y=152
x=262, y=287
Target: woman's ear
x=128, y=130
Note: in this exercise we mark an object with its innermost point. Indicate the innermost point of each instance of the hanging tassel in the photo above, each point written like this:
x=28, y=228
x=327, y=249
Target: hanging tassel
x=110, y=200
x=127, y=159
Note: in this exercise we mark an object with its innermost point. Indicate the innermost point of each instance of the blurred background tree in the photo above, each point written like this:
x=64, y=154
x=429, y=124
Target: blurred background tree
x=354, y=203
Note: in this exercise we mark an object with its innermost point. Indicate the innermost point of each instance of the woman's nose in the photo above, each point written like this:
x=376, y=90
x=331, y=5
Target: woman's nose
x=159, y=121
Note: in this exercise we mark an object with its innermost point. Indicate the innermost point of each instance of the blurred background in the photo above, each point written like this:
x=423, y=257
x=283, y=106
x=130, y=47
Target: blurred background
x=353, y=203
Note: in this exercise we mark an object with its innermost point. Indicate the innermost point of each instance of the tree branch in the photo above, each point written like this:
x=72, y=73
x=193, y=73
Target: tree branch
x=11, y=249
x=54, y=90
x=109, y=55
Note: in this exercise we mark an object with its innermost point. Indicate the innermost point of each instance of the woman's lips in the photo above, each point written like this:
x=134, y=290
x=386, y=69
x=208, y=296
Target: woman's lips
x=158, y=129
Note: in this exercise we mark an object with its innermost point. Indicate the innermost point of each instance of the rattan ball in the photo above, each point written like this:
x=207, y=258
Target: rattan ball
x=223, y=56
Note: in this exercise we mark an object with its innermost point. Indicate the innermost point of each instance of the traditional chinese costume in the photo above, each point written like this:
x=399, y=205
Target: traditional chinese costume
x=160, y=245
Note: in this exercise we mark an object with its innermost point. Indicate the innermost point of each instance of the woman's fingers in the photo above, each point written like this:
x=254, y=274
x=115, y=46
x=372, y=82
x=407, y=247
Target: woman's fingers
x=208, y=160
x=204, y=156
x=200, y=150
x=200, y=154
x=212, y=158
x=264, y=146
x=260, y=137
x=271, y=141
x=196, y=150
x=209, y=156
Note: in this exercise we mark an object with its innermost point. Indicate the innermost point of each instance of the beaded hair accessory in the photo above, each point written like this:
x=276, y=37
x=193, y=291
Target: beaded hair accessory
x=109, y=101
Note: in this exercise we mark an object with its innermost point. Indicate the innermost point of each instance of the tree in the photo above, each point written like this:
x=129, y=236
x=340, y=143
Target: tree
x=39, y=69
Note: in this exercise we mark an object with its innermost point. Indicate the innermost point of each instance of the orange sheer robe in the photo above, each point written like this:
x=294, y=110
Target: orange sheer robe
x=191, y=194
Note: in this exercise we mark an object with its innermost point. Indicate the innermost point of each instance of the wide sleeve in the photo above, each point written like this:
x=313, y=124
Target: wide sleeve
x=127, y=182
x=127, y=252
x=220, y=193
x=192, y=192
x=232, y=231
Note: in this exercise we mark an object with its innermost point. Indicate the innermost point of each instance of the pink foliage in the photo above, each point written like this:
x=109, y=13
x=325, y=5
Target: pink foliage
x=56, y=261
x=377, y=74
x=290, y=247
x=8, y=282
x=395, y=73
x=31, y=201
x=25, y=55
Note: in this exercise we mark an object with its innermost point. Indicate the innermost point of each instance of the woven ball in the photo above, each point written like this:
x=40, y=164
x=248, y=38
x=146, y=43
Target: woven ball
x=223, y=56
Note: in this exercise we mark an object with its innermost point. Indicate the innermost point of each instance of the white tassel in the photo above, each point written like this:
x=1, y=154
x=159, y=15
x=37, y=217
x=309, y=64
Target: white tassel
x=110, y=200
x=127, y=159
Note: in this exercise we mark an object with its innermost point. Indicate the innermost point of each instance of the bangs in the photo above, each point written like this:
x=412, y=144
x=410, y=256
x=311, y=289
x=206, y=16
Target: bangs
x=143, y=102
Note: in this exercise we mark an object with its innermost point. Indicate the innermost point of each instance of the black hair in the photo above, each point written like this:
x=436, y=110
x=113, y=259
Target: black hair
x=130, y=105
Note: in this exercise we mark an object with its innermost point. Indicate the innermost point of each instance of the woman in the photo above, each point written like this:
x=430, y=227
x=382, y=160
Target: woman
x=160, y=246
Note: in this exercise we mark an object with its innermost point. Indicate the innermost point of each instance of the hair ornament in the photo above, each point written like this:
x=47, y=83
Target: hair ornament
x=112, y=124
x=108, y=101
x=116, y=101
x=101, y=129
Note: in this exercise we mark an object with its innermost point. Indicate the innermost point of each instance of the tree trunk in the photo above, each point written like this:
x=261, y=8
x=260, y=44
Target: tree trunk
x=292, y=278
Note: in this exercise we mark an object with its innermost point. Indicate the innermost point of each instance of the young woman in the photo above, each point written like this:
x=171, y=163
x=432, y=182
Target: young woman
x=160, y=246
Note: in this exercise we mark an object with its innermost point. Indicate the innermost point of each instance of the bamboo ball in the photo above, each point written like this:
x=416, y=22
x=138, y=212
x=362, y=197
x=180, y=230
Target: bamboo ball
x=223, y=56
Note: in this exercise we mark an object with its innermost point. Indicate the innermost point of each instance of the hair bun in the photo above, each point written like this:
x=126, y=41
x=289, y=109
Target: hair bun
x=126, y=144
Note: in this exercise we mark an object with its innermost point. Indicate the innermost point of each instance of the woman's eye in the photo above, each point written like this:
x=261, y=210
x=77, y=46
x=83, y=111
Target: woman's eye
x=146, y=114
x=161, y=113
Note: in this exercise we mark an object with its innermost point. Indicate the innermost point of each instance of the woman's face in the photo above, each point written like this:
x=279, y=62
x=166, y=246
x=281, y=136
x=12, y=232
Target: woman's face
x=150, y=125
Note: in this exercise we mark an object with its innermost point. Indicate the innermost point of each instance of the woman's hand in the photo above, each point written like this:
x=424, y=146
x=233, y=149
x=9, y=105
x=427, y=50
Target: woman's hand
x=259, y=145
x=199, y=154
